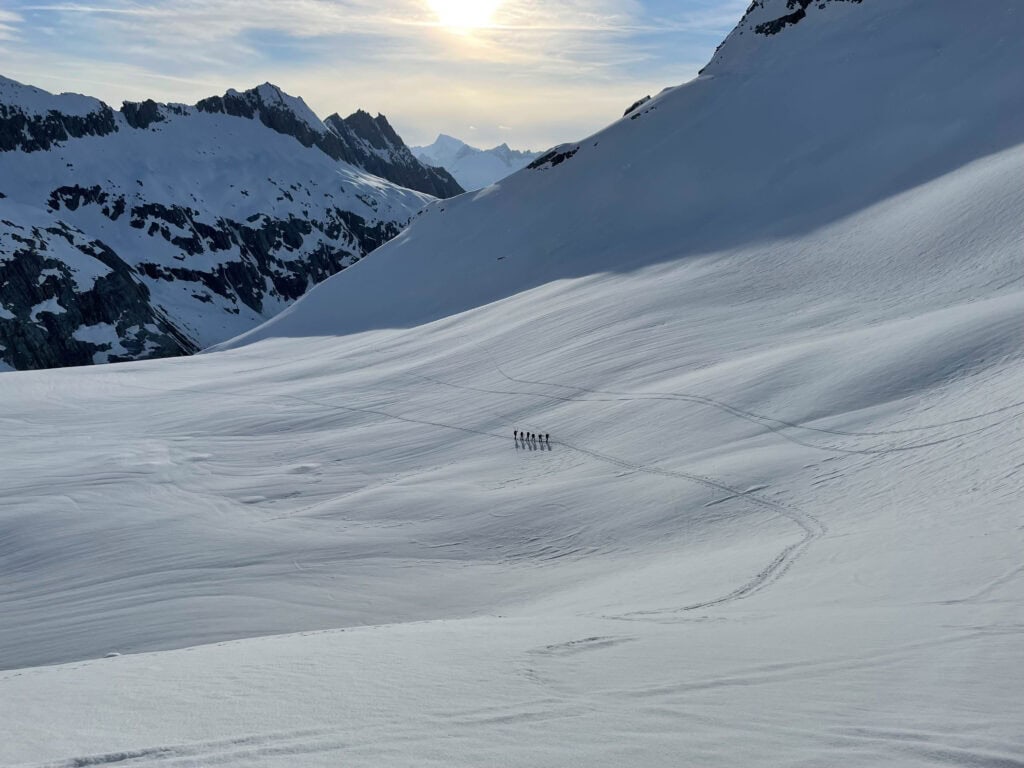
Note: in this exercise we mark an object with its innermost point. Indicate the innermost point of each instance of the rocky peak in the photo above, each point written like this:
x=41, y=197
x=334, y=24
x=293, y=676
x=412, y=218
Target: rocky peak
x=376, y=131
x=276, y=110
x=371, y=143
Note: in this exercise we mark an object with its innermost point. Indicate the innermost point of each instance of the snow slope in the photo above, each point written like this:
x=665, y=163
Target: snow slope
x=778, y=523
x=473, y=168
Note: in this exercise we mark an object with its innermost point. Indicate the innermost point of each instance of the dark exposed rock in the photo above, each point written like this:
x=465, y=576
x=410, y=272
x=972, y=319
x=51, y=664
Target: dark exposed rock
x=798, y=13
x=142, y=114
x=122, y=300
x=360, y=134
x=636, y=105
x=350, y=140
x=47, y=338
x=556, y=156
x=35, y=133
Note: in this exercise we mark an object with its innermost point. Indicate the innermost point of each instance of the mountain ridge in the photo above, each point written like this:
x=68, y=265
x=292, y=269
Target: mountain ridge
x=33, y=120
x=158, y=229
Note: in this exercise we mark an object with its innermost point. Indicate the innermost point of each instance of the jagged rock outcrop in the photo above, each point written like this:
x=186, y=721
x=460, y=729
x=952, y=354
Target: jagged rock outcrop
x=160, y=229
x=636, y=105
x=365, y=142
x=372, y=143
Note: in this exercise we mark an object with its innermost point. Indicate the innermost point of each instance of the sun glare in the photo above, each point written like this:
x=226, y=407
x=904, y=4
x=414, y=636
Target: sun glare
x=464, y=14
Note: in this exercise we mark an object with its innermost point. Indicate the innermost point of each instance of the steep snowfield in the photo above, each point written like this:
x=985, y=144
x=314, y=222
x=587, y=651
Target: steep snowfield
x=778, y=523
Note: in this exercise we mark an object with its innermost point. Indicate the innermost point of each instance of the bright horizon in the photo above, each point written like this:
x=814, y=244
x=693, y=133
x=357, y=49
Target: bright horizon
x=529, y=73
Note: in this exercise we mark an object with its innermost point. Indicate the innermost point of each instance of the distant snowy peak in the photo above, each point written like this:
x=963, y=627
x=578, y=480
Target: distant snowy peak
x=474, y=168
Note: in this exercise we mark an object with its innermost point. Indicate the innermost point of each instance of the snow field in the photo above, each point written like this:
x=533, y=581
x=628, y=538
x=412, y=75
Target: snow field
x=779, y=523
x=761, y=538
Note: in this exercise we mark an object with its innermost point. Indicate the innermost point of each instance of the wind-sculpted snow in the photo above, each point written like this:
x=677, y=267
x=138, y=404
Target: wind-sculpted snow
x=777, y=522
x=211, y=219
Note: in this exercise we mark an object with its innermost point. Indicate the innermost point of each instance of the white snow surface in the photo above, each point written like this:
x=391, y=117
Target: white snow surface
x=779, y=521
x=51, y=306
x=35, y=101
x=473, y=168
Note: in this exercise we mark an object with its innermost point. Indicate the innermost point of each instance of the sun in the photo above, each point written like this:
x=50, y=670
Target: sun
x=464, y=14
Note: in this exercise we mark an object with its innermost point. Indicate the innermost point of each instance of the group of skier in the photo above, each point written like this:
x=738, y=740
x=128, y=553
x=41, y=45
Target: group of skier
x=531, y=439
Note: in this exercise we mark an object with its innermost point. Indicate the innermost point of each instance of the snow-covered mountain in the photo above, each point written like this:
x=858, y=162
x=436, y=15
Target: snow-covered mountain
x=760, y=148
x=772, y=322
x=159, y=229
x=473, y=168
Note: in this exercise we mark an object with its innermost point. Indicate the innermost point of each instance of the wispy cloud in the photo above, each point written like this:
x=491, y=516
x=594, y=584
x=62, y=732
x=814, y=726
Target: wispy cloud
x=8, y=25
x=546, y=71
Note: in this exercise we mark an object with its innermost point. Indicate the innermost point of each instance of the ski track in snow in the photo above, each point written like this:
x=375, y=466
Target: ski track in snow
x=218, y=752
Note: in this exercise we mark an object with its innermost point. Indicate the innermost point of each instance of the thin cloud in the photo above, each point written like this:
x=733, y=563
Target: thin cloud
x=556, y=69
x=9, y=22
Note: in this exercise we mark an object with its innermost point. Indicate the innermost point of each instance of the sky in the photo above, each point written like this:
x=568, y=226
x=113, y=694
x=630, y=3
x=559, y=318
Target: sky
x=530, y=73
